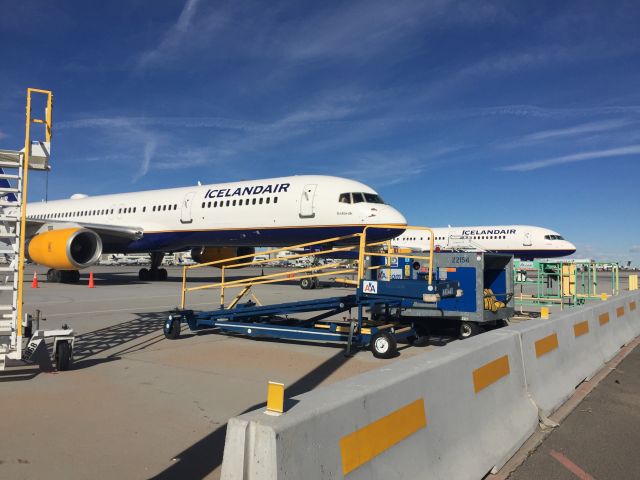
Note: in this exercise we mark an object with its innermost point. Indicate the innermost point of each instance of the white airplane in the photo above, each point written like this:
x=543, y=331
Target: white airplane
x=215, y=221
x=523, y=241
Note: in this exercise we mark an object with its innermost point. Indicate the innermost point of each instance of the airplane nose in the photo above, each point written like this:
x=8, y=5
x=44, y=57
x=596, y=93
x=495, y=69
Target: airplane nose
x=571, y=247
x=395, y=217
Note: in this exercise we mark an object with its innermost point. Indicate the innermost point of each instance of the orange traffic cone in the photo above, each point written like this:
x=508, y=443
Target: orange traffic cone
x=91, y=285
x=34, y=283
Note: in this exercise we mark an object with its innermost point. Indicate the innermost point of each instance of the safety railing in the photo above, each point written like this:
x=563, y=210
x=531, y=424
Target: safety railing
x=356, y=242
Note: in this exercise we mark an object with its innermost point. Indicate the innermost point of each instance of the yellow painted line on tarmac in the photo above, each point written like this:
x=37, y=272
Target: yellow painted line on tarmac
x=620, y=312
x=581, y=328
x=490, y=373
x=603, y=318
x=361, y=446
x=546, y=345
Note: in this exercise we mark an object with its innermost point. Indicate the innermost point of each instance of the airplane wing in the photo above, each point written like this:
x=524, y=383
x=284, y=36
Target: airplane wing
x=108, y=233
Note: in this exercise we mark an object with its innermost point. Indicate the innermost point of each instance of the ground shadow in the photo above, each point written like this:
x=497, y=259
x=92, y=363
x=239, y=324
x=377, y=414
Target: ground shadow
x=91, y=344
x=201, y=458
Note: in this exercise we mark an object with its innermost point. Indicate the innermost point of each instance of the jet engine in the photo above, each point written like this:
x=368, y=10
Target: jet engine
x=65, y=249
x=214, y=254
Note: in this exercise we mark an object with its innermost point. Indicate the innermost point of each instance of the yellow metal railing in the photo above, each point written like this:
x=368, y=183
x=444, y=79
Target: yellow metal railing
x=360, y=244
x=48, y=123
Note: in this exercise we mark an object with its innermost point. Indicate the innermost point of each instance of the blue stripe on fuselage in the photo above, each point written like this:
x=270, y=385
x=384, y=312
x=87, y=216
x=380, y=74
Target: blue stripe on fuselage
x=270, y=237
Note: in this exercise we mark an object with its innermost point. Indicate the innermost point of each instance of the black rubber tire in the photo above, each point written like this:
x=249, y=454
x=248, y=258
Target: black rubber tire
x=162, y=274
x=54, y=276
x=469, y=329
x=306, y=284
x=63, y=356
x=173, y=332
x=383, y=345
x=69, y=276
x=143, y=274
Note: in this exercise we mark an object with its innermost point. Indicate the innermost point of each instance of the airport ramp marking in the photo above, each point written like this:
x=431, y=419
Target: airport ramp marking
x=546, y=345
x=490, y=373
x=620, y=312
x=603, y=318
x=361, y=446
x=632, y=306
x=581, y=328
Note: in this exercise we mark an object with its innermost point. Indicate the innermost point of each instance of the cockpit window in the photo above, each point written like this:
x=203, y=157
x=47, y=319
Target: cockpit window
x=359, y=197
x=372, y=198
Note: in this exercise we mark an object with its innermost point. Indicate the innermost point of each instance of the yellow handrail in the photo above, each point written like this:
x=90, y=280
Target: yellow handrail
x=313, y=271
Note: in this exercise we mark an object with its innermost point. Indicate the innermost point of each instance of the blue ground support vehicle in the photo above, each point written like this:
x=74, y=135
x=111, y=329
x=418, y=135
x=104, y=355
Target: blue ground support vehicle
x=278, y=321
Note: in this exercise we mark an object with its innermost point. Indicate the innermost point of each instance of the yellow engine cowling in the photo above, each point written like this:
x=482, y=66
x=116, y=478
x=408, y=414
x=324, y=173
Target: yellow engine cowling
x=214, y=254
x=65, y=249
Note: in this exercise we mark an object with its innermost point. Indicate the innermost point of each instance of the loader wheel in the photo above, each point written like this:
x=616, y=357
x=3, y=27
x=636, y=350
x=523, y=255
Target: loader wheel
x=383, y=345
x=63, y=356
x=172, y=328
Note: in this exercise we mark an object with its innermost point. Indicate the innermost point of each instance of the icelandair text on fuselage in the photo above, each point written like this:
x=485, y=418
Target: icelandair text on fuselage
x=257, y=190
x=488, y=232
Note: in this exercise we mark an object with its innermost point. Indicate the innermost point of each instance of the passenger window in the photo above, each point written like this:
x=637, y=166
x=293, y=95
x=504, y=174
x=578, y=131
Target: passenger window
x=233, y=204
x=175, y=206
x=254, y=201
x=260, y=201
x=268, y=199
x=228, y=203
x=275, y=199
x=209, y=205
x=215, y=204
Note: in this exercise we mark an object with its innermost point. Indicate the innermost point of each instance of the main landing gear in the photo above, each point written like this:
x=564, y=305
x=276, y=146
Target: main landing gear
x=63, y=276
x=154, y=273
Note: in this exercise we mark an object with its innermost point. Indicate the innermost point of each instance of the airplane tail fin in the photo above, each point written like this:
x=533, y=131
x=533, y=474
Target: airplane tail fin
x=4, y=183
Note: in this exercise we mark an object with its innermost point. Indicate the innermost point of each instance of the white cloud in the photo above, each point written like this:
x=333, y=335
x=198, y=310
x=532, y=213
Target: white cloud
x=576, y=157
x=189, y=30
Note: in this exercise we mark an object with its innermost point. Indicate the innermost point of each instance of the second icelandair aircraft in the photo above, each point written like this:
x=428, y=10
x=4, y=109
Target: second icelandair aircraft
x=523, y=241
x=215, y=221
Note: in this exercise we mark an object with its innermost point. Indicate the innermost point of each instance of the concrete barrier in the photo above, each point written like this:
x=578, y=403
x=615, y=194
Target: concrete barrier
x=457, y=412
x=558, y=355
x=612, y=330
x=631, y=304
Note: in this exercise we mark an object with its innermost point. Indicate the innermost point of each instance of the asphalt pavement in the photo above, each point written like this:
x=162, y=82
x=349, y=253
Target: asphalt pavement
x=600, y=439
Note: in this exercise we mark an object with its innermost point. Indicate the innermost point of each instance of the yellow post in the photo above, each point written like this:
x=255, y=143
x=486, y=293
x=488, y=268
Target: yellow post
x=184, y=287
x=544, y=313
x=633, y=282
x=275, y=398
x=603, y=296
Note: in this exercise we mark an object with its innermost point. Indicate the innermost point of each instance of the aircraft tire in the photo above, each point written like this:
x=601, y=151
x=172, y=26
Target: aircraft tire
x=143, y=274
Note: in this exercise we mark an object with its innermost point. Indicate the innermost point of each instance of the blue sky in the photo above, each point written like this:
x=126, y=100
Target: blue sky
x=457, y=112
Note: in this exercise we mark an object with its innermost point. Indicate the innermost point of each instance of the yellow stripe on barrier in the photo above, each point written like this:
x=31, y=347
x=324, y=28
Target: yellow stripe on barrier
x=581, y=328
x=361, y=446
x=632, y=306
x=546, y=345
x=490, y=373
x=620, y=312
x=603, y=318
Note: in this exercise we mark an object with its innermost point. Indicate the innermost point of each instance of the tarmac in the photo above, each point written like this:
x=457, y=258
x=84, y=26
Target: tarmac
x=136, y=405
x=599, y=439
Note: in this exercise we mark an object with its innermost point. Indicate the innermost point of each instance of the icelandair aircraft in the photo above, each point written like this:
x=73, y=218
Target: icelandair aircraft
x=523, y=241
x=215, y=222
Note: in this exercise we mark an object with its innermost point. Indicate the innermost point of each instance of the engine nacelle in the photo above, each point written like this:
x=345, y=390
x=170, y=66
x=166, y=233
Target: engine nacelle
x=65, y=249
x=214, y=254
